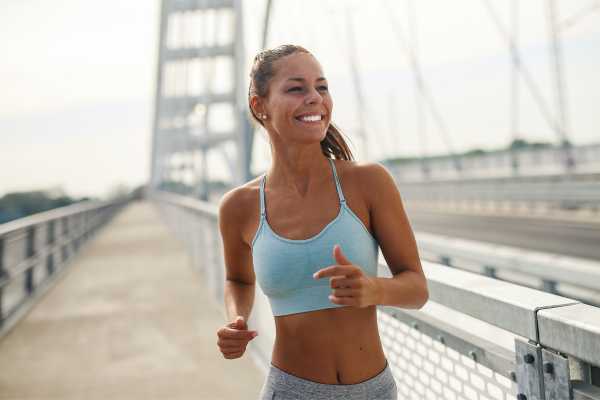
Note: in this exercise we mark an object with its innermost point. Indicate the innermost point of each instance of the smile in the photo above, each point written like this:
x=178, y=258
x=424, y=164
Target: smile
x=311, y=118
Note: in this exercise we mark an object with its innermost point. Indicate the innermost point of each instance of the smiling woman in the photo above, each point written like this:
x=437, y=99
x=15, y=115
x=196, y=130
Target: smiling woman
x=294, y=88
x=312, y=246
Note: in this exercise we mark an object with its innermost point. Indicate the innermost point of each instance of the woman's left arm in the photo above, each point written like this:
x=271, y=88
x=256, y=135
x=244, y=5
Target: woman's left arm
x=408, y=286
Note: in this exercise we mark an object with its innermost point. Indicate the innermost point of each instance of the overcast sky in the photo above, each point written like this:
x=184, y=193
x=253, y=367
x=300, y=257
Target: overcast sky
x=77, y=80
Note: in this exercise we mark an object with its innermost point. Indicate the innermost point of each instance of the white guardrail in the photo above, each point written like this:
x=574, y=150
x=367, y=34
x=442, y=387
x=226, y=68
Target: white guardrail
x=542, y=192
x=35, y=251
x=476, y=338
x=578, y=278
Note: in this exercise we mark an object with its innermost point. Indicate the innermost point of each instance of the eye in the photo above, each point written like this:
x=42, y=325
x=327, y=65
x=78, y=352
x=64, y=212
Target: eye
x=323, y=87
x=295, y=88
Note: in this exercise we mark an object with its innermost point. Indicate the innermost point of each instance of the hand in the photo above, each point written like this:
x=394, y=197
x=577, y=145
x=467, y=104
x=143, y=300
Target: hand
x=350, y=285
x=234, y=337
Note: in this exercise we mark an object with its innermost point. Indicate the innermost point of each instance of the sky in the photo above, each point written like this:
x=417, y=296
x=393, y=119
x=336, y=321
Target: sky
x=77, y=80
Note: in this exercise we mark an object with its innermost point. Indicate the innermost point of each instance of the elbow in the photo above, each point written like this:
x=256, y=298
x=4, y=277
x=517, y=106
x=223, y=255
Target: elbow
x=424, y=293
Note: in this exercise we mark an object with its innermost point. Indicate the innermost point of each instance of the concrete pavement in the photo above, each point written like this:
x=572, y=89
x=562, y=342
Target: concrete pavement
x=130, y=319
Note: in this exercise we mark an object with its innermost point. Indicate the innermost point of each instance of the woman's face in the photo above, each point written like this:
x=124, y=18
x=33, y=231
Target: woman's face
x=298, y=103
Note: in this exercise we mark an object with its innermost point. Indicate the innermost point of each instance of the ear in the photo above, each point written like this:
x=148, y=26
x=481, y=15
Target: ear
x=256, y=104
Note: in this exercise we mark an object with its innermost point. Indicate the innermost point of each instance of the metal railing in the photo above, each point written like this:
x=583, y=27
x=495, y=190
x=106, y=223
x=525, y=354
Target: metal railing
x=34, y=251
x=573, y=277
x=477, y=337
x=531, y=162
x=535, y=193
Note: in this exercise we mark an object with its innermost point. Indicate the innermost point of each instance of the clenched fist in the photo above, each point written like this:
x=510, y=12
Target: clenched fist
x=234, y=337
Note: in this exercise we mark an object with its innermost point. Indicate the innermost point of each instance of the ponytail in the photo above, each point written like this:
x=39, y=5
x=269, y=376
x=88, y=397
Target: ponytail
x=335, y=145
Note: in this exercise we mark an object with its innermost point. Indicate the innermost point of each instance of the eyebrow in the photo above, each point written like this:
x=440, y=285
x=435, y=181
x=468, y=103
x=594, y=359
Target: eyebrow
x=302, y=79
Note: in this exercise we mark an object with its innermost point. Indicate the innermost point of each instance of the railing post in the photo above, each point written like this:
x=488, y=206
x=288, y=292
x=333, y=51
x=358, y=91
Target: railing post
x=549, y=286
x=50, y=244
x=3, y=275
x=76, y=231
x=528, y=357
x=489, y=271
x=446, y=261
x=29, y=253
x=65, y=235
x=595, y=375
x=542, y=374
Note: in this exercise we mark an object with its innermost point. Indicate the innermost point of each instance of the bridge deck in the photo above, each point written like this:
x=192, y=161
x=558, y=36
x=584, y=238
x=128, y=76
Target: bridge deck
x=129, y=320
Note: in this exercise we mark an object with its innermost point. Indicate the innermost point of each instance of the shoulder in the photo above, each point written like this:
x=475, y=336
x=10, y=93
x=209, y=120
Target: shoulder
x=373, y=178
x=236, y=203
x=372, y=170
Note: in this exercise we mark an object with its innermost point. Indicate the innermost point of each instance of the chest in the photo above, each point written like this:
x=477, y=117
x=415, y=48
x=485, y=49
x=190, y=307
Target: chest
x=305, y=219
x=284, y=266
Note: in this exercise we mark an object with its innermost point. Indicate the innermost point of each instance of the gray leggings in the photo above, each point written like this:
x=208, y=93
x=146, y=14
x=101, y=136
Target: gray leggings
x=280, y=385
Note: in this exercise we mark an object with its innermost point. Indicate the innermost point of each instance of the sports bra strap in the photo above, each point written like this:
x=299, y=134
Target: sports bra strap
x=337, y=182
x=262, y=195
x=264, y=177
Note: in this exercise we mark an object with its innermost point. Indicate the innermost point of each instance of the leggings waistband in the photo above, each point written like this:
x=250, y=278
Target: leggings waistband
x=278, y=379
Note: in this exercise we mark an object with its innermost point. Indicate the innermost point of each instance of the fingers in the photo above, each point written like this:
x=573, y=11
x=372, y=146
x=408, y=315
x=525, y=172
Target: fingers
x=221, y=342
x=233, y=353
x=348, y=270
x=343, y=282
x=232, y=348
x=230, y=333
x=232, y=342
x=344, y=292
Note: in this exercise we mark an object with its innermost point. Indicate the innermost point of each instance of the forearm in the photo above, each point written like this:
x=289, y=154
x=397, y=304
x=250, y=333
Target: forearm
x=239, y=298
x=407, y=289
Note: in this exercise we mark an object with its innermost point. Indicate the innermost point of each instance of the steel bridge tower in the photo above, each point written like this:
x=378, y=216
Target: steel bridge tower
x=199, y=84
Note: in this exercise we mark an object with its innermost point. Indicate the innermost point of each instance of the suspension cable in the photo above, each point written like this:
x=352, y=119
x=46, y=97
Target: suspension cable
x=423, y=88
x=518, y=63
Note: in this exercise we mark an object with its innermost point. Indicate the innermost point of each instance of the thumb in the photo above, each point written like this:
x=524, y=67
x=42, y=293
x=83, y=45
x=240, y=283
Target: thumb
x=240, y=323
x=339, y=256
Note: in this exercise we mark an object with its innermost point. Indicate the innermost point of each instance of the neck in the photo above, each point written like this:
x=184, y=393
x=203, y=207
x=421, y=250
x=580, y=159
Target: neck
x=296, y=171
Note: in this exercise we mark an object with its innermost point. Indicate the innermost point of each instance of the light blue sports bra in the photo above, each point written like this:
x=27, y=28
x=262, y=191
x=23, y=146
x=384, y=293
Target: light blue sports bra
x=284, y=267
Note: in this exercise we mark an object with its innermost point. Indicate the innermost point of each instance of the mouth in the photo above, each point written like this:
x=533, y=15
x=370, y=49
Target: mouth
x=313, y=118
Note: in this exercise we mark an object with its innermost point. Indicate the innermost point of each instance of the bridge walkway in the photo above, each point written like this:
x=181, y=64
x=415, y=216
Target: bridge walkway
x=130, y=319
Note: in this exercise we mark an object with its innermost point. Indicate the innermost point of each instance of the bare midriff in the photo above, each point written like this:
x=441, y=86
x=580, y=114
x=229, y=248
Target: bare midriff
x=331, y=346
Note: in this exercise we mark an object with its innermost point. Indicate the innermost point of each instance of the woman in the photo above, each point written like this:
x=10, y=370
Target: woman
x=314, y=212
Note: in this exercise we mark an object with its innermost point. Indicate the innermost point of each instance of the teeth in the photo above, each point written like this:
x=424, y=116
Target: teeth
x=311, y=118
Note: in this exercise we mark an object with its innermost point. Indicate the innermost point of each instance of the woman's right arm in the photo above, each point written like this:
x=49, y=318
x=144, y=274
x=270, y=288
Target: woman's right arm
x=240, y=279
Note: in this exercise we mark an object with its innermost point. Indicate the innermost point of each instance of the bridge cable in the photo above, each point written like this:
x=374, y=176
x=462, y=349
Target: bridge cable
x=421, y=117
x=584, y=12
x=422, y=86
x=518, y=63
x=358, y=89
x=363, y=106
x=266, y=24
x=560, y=84
x=514, y=103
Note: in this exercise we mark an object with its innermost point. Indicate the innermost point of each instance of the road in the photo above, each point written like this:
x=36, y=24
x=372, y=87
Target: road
x=572, y=238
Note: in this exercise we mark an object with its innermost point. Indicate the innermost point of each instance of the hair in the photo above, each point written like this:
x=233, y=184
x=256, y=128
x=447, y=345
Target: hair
x=334, y=145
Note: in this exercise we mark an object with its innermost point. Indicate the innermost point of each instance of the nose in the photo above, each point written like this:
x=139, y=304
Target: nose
x=313, y=97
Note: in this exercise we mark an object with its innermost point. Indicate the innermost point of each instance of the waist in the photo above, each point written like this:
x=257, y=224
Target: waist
x=329, y=346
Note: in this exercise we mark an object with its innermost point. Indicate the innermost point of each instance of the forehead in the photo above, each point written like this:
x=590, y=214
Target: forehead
x=302, y=65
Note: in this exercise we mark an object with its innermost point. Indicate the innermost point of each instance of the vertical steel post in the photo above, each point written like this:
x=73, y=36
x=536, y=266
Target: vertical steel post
x=30, y=253
x=50, y=244
x=3, y=276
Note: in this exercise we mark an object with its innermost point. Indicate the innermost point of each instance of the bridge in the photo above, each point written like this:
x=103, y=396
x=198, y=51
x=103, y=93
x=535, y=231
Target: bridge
x=123, y=298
